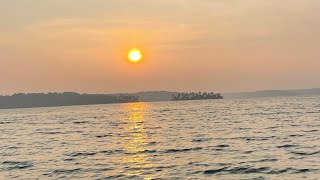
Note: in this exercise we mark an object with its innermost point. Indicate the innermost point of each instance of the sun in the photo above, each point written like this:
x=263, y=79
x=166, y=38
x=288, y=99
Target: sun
x=135, y=55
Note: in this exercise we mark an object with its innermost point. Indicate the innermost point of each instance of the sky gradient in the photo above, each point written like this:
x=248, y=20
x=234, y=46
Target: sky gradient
x=188, y=45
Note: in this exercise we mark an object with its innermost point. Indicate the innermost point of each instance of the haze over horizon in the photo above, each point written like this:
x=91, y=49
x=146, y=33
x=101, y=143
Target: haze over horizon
x=188, y=45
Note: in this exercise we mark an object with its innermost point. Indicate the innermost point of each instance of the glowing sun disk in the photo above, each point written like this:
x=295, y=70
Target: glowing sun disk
x=135, y=55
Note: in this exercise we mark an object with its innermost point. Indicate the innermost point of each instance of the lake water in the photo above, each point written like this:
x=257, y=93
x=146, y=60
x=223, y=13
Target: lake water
x=263, y=138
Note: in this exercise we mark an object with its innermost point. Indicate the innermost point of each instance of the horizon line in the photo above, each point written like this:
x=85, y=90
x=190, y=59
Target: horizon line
x=169, y=91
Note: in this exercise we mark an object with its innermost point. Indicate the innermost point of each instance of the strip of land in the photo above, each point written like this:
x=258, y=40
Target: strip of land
x=70, y=98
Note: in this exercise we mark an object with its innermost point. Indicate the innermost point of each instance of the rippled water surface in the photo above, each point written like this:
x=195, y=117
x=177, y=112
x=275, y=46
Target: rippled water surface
x=266, y=138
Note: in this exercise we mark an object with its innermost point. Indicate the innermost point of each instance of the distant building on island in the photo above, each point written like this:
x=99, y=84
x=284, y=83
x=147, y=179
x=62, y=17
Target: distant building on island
x=196, y=96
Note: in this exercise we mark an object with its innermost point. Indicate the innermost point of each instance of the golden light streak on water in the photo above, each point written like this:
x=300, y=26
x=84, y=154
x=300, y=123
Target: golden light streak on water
x=135, y=144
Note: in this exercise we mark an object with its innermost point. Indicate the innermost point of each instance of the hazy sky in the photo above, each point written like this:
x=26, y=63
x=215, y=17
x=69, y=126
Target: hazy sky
x=214, y=45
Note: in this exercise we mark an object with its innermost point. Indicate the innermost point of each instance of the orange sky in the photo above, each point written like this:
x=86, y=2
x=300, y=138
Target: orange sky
x=188, y=45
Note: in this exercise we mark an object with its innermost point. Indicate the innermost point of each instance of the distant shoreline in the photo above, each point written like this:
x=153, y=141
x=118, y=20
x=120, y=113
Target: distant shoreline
x=76, y=105
x=38, y=100
x=61, y=99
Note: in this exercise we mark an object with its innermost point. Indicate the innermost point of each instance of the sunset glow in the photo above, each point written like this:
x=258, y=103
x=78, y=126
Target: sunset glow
x=173, y=45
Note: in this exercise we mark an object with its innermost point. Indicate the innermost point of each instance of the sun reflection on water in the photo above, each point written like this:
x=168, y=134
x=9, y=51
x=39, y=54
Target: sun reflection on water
x=137, y=139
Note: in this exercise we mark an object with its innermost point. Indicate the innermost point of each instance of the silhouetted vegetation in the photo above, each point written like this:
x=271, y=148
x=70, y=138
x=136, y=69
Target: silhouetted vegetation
x=196, y=96
x=61, y=99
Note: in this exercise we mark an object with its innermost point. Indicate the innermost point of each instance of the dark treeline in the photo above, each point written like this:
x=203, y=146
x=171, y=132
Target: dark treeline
x=61, y=99
x=196, y=96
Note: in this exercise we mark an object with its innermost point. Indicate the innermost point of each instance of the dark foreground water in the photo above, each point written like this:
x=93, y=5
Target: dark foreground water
x=266, y=138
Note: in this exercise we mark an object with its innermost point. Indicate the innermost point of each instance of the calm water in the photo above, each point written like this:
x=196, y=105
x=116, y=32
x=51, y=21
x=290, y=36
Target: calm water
x=266, y=138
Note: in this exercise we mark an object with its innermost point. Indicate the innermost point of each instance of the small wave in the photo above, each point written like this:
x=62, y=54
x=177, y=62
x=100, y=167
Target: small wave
x=152, y=143
x=115, y=176
x=12, y=147
x=201, y=140
x=268, y=160
x=249, y=138
x=294, y=125
x=287, y=146
x=165, y=110
x=246, y=152
x=67, y=171
x=243, y=128
x=81, y=122
x=218, y=149
x=260, y=161
x=258, y=178
x=141, y=152
x=223, y=164
x=17, y=164
x=249, y=170
x=274, y=127
x=77, y=170
x=306, y=153
x=214, y=171
x=103, y=135
x=160, y=168
x=295, y=135
x=314, y=130
x=313, y=112
x=259, y=138
x=50, y=133
x=118, y=151
x=2, y=154
x=182, y=150
x=222, y=146
x=148, y=151
x=68, y=159
x=75, y=154
x=6, y=122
